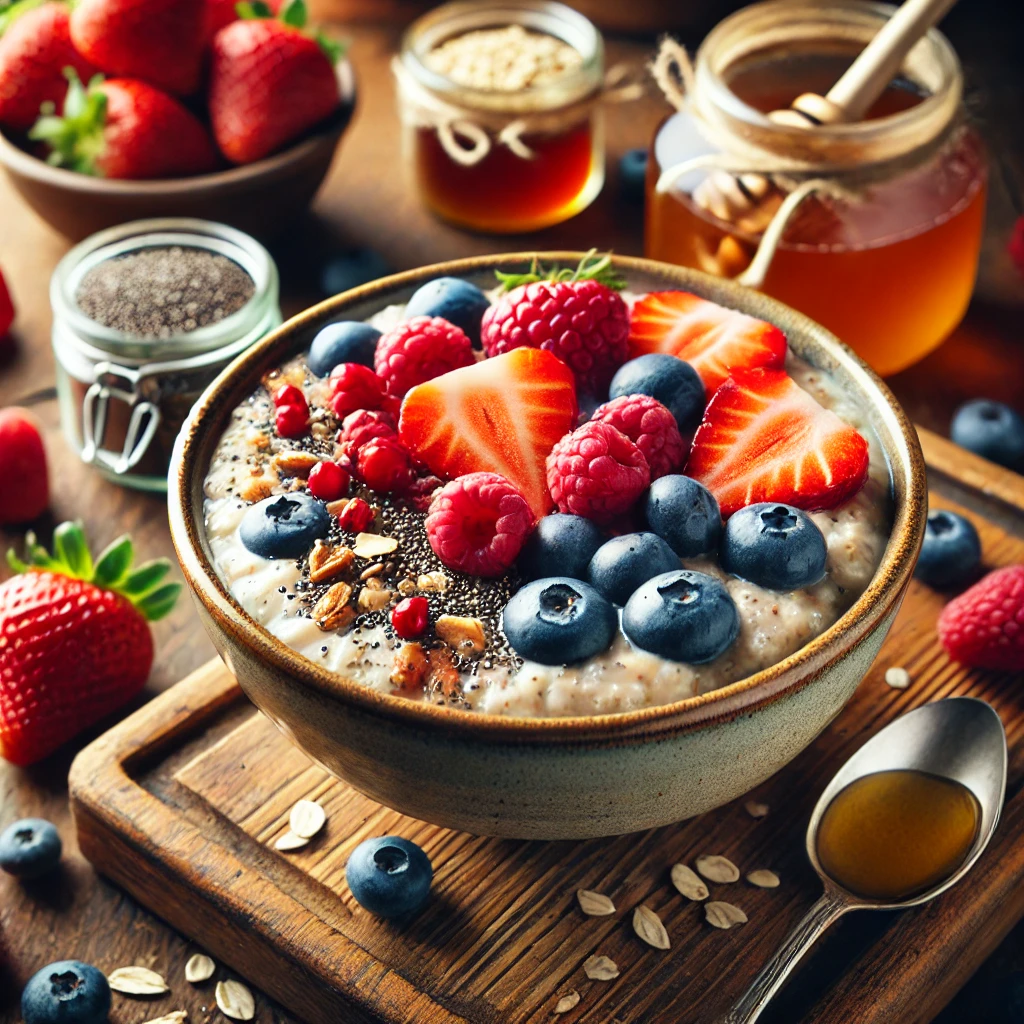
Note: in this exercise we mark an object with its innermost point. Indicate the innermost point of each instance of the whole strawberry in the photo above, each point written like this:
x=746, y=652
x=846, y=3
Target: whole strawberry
x=26, y=491
x=984, y=626
x=157, y=41
x=34, y=50
x=218, y=14
x=74, y=639
x=269, y=83
x=576, y=315
x=123, y=128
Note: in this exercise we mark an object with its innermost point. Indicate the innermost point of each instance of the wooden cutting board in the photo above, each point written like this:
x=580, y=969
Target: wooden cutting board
x=180, y=804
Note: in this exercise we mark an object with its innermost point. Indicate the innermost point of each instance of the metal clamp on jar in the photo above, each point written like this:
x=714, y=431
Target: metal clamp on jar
x=123, y=395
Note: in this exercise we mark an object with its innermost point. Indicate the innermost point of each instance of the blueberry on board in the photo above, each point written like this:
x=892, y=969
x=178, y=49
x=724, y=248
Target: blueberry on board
x=561, y=542
x=348, y=341
x=458, y=301
x=284, y=525
x=623, y=563
x=558, y=620
x=389, y=876
x=30, y=848
x=992, y=430
x=66, y=992
x=672, y=381
x=682, y=616
x=633, y=173
x=685, y=513
x=775, y=546
x=951, y=551
x=350, y=269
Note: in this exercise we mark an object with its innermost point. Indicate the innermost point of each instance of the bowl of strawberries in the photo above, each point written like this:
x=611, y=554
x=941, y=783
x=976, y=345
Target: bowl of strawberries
x=112, y=111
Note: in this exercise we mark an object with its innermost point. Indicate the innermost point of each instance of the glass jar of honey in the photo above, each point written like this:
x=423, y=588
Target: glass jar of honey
x=501, y=113
x=883, y=248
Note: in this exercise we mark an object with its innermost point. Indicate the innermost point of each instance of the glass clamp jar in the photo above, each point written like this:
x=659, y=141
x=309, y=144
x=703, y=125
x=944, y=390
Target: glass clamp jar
x=501, y=158
x=123, y=396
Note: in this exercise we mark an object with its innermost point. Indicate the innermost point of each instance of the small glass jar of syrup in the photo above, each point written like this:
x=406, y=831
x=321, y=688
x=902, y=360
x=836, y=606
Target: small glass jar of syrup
x=501, y=113
x=885, y=253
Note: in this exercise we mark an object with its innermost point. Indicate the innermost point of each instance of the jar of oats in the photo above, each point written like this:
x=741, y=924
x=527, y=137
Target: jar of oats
x=501, y=113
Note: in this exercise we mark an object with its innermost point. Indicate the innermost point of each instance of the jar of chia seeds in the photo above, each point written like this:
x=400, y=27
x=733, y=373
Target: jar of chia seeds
x=145, y=315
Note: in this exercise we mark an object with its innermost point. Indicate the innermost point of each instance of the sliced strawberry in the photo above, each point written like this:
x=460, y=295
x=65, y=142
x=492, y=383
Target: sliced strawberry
x=764, y=438
x=713, y=339
x=502, y=415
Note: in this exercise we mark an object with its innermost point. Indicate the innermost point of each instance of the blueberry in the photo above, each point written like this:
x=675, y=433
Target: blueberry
x=389, y=876
x=685, y=513
x=559, y=620
x=29, y=848
x=458, y=301
x=350, y=269
x=633, y=173
x=951, y=552
x=682, y=616
x=671, y=381
x=284, y=525
x=348, y=341
x=623, y=563
x=563, y=542
x=66, y=992
x=775, y=546
x=992, y=430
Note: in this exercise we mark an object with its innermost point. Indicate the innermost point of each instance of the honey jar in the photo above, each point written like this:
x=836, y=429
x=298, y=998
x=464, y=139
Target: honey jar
x=501, y=113
x=880, y=238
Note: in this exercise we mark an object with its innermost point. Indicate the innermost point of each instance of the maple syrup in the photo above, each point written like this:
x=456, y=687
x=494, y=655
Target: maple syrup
x=896, y=834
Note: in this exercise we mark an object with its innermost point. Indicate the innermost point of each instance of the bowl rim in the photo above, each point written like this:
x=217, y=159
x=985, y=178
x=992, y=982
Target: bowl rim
x=788, y=676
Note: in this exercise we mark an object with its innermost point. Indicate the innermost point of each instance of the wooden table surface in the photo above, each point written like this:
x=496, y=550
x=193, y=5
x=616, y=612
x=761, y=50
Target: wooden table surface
x=367, y=202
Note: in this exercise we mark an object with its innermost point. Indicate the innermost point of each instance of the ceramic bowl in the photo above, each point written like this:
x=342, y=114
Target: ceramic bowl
x=261, y=198
x=556, y=778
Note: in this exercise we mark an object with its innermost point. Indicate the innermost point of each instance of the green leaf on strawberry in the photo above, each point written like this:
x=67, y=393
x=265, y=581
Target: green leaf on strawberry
x=111, y=571
x=76, y=138
x=591, y=268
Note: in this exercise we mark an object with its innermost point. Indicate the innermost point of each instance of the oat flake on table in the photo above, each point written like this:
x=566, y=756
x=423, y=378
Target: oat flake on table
x=755, y=809
x=290, y=841
x=567, y=1002
x=687, y=883
x=306, y=819
x=648, y=926
x=174, y=1017
x=718, y=869
x=600, y=968
x=763, y=879
x=235, y=1000
x=137, y=981
x=594, y=904
x=200, y=967
x=897, y=678
x=723, y=915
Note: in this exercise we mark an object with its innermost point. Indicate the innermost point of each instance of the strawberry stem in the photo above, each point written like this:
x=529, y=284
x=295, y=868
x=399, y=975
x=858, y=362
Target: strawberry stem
x=112, y=570
x=591, y=268
x=77, y=138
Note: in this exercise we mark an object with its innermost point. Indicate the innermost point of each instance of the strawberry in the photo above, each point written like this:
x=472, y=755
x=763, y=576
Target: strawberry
x=984, y=626
x=764, y=438
x=157, y=41
x=502, y=415
x=217, y=14
x=6, y=308
x=74, y=639
x=34, y=50
x=24, y=486
x=123, y=128
x=713, y=339
x=269, y=83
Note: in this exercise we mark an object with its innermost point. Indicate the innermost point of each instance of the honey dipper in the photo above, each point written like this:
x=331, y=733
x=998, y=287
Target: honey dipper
x=730, y=197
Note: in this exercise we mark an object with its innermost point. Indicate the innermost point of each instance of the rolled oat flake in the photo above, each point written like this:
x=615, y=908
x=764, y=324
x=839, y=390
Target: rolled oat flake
x=234, y=1000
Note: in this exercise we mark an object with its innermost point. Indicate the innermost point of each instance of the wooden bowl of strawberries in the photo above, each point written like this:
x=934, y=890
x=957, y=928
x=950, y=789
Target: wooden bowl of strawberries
x=117, y=110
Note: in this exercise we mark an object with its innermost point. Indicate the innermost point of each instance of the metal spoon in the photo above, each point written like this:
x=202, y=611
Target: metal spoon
x=958, y=738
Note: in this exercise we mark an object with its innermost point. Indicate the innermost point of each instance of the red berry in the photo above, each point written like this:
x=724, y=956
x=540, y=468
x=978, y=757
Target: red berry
x=356, y=516
x=420, y=350
x=24, y=483
x=584, y=323
x=354, y=386
x=291, y=420
x=289, y=394
x=410, y=617
x=597, y=472
x=984, y=626
x=383, y=464
x=328, y=481
x=478, y=523
x=421, y=491
x=650, y=426
x=364, y=425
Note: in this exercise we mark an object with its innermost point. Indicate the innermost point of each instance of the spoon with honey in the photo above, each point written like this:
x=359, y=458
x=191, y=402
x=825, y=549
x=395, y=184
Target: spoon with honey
x=902, y=821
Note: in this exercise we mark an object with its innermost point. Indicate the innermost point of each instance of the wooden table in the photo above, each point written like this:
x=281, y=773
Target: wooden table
x=366, y=202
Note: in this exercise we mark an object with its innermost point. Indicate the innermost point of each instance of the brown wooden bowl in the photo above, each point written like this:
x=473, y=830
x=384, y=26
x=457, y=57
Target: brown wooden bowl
x=260, y=198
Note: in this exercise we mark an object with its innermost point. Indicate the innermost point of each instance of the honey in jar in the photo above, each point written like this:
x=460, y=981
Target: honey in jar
x=501, y=113
x=887, y=258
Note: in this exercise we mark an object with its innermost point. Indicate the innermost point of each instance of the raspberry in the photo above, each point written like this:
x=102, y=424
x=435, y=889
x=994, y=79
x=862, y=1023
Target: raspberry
x=410, y=617
x=984, y=626
x=356, y=516
x=477, y=524
x=383, y=464
x=584, y=323
x=289, y=394
x=291, y=420
x=328, y=481
x=650, y=426
x=364, y=425
x=596, y=472
x=354, y=386
x=419, y=350
x=421, y=492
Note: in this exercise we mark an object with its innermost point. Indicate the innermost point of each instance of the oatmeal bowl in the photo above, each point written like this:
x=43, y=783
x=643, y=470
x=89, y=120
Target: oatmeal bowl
x=548, y=547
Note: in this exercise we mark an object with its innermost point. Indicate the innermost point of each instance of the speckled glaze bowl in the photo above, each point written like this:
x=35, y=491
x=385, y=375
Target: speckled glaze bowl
x=558, y=778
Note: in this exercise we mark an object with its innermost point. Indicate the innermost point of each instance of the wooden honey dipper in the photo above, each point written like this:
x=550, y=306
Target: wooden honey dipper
x=730, y=198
